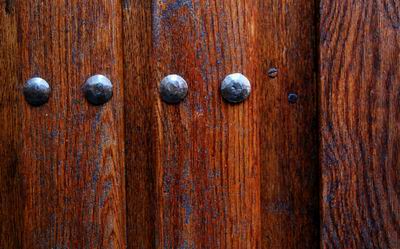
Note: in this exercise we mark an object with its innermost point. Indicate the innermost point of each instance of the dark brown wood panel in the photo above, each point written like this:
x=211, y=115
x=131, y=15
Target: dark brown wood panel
x=360, y=135
x=204, y=157
x=69, y=159
x=10, y=129
x=289, y=125
x=139, y=124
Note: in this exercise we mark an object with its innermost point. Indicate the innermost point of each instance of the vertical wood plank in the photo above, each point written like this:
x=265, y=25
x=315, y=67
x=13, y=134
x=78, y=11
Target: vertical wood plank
x=139, y=124
x=360, y=135
x=71, y=156
x=10, y=129
x=205, y=152
x=289, y=127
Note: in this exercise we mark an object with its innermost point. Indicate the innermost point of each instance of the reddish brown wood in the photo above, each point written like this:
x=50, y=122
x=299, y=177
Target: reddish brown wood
x=69, y=160
x=207, y=150
x=288, y=130
x=206, y=161
x=139, y=124
x=202, y=173
x=10, y=130
x=360, y=135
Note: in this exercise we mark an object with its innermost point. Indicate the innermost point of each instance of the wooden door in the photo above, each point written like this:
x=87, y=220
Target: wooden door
x=309, y=160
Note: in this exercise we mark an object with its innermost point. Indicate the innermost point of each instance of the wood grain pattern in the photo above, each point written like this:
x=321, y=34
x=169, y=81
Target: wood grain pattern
x=139, y=124
x=202, y=173
x=206, y=161
x=10, y=130
x=207, y=150
x=360, y=135
x=69, y=159
x=288, y=130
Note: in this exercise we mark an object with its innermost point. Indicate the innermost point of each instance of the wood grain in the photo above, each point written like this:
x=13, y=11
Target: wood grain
x=206, y=161
x=203, y=173
x=288, y=130
x=207, y=150
x=69, y=160
x=360, y=133
x=139, y=124
x=10, y=130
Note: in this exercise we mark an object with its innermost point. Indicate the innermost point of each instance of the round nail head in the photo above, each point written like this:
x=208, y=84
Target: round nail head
x=173, y=89
x=292, y=98
x=98, y=89
x=273, y=73
x=36, y=91
x=235, y=88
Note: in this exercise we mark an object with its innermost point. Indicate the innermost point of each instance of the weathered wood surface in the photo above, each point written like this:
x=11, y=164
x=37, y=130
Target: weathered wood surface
x=206, y=152
x=360, y=136
x=139, y=97
x=10, y=130
x=203, y=173
x=68, y=164
x=288, y=130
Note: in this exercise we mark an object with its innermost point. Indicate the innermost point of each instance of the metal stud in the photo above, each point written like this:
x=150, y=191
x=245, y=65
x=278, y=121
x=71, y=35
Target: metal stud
x=98, y=89
x=173, y=89
x=273, y=72
x=292, y=98
x=36, y=91
x=235, y=88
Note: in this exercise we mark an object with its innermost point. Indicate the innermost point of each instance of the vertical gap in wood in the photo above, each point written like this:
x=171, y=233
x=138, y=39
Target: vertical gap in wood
x=318, y=109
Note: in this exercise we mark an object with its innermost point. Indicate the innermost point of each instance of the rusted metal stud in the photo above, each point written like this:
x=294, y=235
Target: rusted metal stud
x=235, y=88
x=173, y=89
x=36, y=91
x=98, y=89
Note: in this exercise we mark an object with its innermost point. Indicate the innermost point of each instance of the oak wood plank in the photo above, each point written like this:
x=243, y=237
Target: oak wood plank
x=360, y=135
x=71, y=161
x=205, y=151
x=289, y=126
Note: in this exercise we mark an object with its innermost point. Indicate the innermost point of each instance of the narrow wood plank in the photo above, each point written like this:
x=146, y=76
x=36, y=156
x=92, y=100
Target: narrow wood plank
x=289, y=128
x=360, y=135
x=207, y=150
x=206, y=161
x=71, y=156
x=10, y=129
x=139, y=124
